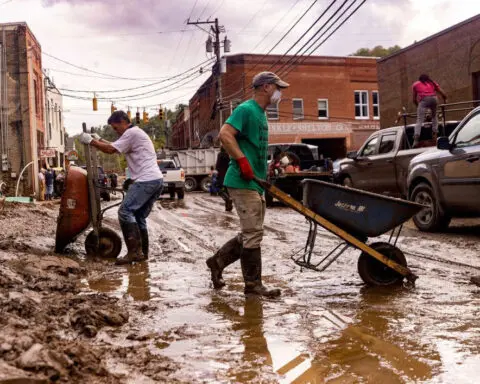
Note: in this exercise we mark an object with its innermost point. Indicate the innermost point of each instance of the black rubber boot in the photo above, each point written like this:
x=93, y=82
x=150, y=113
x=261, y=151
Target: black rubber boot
x=252, y=274
x=229, y=205
x=145, y=242
x=228, y=254
x=133, y=240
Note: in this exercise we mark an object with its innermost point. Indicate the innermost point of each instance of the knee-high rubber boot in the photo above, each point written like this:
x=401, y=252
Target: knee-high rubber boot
x=228, y=254
x=145, y=242
x=251, y=260
x=133, y=240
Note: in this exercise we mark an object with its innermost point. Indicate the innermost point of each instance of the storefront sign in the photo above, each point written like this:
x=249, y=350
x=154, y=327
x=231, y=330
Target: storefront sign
x=48, y=153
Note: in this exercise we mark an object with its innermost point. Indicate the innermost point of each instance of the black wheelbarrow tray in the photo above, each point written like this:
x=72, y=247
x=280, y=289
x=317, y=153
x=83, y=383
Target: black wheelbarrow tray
x=354, y=216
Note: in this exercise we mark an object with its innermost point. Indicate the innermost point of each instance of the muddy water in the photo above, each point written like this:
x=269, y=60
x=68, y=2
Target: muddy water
x=326, y=328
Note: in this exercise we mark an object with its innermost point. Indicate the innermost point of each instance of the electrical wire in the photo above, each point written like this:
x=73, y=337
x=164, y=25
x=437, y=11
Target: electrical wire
x=308, y=30
x=276, y=25
x=92, y=71
x=303, y=58
x=206, y=62
x=254, y=16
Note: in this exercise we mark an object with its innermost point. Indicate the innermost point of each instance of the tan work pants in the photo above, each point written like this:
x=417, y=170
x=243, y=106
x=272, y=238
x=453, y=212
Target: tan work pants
x=250, y=206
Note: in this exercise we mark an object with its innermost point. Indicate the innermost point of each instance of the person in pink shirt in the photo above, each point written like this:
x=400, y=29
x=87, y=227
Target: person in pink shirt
x=425, y=97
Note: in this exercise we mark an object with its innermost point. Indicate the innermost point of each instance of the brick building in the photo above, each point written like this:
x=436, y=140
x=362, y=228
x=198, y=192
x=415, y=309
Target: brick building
x=332, y=101
x=22, y=104
x=451, y=57
x=181, y=129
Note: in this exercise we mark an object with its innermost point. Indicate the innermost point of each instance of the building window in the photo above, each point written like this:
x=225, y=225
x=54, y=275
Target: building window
x=361, y=104
x=49, y=131
x=272, y=112
x=376, y=105
x=297, y=109
x=322, y=108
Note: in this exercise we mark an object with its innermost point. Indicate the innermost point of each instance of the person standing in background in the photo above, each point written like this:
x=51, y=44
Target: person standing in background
x=425, y=97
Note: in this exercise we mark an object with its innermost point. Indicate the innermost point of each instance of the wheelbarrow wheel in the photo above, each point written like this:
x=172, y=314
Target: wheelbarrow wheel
x=108, y=246
x=374, y=272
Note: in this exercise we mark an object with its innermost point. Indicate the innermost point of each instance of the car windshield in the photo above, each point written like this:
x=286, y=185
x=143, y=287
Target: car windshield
x=166, y=165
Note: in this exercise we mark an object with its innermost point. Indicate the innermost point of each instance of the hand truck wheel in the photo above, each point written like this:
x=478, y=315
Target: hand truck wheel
x=108, y=245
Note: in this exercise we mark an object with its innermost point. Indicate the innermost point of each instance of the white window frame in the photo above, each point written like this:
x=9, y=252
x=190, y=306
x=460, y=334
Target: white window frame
x=293, y=109
x=277, y=111
x=361, y=105
x=328, y=114
x=376, y=105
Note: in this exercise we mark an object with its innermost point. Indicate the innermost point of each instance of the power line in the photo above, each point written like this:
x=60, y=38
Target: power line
x=92, y=71
x=308, y=30
x=276, y=25
x=153, y=92
x=139, y=87
x=254, y=16
x=303, y=58
x=216, y=9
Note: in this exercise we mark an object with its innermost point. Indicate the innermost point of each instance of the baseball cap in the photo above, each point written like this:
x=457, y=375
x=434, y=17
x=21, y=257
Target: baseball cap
x=268, y=78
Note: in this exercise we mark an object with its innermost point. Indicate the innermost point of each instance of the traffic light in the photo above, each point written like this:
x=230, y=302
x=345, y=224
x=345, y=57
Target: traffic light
x=137, y=117
x=161, y=114
x=95, y=103
x=129, y=114
x=113, y=108
x=145, y=117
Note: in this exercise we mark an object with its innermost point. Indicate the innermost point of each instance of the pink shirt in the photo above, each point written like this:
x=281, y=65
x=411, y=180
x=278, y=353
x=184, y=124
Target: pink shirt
x=425, y=89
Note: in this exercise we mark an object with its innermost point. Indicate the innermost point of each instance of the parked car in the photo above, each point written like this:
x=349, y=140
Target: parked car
x=447, y=178
x=381, y=164
x=102, y=181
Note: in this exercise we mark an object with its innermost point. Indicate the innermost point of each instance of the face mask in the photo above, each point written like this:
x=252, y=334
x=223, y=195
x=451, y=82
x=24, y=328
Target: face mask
x=276, y=97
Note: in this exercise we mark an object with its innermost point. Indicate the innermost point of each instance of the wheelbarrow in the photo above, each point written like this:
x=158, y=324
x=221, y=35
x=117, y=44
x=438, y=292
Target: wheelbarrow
x=80, y=209
x=353, y=216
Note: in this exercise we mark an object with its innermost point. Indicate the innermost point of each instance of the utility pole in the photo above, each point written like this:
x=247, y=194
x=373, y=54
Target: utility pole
x=216, y=29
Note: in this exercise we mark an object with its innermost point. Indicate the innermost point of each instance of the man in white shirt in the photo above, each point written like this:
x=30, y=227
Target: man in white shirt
x=138, y=149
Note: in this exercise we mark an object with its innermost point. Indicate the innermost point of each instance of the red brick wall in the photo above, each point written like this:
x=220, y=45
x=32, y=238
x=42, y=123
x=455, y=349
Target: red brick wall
x=332, y=78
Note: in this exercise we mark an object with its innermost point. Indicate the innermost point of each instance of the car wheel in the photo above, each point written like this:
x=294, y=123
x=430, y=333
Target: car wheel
x=205, y=184
x=429, y=219
x=347, y=182
x=190, y=184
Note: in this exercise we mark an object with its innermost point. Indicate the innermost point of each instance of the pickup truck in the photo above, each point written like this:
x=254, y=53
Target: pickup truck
x=306, y=158
x=447, y=178
x=173, y=178
x=381, y=164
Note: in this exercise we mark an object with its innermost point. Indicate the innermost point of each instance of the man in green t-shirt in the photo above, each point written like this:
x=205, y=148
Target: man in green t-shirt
x=245, y=137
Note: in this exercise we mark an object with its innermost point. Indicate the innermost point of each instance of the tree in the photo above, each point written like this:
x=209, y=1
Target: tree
x=378, y=51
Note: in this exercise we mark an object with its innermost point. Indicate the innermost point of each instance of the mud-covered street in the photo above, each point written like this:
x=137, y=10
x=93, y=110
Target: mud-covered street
x=72, y=319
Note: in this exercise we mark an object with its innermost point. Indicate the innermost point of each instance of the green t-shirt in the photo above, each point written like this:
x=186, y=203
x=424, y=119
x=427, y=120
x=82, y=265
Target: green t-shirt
x=251, y=123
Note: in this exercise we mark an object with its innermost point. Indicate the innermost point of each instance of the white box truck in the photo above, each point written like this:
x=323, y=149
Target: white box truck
x=197, y=165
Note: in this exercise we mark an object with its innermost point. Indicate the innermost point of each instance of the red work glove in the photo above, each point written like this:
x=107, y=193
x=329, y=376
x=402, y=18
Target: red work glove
x=246, y=170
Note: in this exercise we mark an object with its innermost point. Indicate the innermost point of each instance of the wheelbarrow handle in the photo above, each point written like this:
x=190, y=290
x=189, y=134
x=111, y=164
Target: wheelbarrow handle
x=263, y=183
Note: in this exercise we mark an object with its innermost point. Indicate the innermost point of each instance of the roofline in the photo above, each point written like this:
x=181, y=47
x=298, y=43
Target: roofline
x=21, y=24
x=427, y=39
x=302, y=56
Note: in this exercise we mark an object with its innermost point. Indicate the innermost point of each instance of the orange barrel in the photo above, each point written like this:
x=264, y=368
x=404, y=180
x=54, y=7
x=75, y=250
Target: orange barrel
x=74, y=216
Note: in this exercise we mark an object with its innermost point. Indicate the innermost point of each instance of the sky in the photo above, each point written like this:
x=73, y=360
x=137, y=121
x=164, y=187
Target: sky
x=146, y=43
